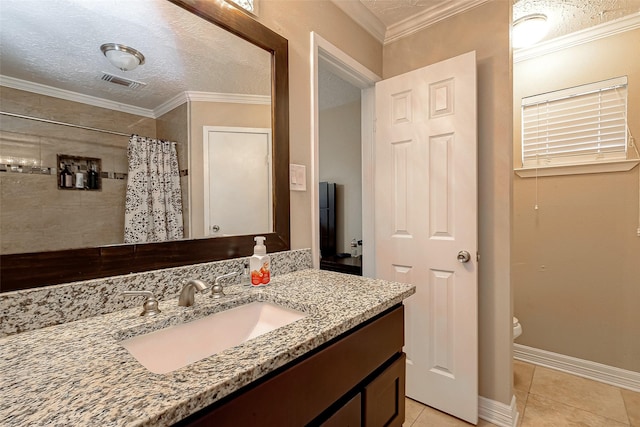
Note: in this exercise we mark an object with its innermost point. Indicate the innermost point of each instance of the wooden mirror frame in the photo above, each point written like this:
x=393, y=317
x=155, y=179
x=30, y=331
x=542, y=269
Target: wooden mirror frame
x=36, y=269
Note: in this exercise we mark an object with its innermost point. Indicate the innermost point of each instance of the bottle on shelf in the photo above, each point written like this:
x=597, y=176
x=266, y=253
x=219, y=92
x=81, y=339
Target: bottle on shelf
x=61, y=175
x=354, y=248
x=79, y=178
x=92, y=178
x=66, y=177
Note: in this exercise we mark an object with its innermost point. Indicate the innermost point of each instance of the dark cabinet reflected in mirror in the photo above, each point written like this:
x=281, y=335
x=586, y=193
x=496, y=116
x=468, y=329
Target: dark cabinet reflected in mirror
x=207, y=66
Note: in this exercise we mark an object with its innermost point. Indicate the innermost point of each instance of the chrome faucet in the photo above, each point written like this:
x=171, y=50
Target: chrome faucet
x=216, y=290
x=187, y=295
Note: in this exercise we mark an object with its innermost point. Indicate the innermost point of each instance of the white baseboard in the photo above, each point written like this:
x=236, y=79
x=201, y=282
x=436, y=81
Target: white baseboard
x=498, y=413
x=580, y=367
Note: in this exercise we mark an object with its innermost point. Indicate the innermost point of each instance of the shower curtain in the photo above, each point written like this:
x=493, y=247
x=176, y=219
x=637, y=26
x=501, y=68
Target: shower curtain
x=153, y=206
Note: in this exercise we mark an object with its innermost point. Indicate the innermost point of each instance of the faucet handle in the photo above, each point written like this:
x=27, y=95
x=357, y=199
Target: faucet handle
x=216, y=290
x=150, y=306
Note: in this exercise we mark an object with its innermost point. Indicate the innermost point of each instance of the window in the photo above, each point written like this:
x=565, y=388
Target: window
x=581, y=125
x=248, y=5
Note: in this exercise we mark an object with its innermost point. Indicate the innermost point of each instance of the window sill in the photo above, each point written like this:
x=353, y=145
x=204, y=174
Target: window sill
x=555, y=170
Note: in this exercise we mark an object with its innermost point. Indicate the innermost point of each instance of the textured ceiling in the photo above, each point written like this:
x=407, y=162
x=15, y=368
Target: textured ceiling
x=568, y=16
x=564, y=16
x=334, y=91
x=57, y=43
x=393, y=11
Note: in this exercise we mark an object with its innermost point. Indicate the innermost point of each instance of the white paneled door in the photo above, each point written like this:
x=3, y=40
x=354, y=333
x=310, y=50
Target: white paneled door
x=426, y=225
x=237, y=187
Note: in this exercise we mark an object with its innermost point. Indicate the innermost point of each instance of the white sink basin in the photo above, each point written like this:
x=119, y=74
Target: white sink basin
x=174, y=347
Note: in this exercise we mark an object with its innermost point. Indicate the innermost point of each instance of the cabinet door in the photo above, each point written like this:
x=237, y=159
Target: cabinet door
x=384, y=397
x=350, y=415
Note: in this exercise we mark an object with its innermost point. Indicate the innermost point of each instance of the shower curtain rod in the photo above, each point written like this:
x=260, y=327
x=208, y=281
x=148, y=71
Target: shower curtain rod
x=38, y=119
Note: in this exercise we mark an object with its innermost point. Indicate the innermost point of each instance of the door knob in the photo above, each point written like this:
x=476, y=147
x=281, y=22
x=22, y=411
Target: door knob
x=464, y=256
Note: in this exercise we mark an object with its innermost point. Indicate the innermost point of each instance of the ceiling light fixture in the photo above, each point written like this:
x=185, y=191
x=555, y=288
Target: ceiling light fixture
x=123, y=57
x=529, y=30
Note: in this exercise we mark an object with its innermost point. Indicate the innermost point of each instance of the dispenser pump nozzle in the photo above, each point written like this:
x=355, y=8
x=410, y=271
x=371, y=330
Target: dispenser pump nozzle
x=259, y=248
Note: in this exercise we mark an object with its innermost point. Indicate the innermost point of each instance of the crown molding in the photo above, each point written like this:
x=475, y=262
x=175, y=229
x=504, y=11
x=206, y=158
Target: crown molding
x=363, y=17
x=234, y=98
x=367, y=20
x=429, y=17
x=164, y=108
x=627, y=23
x=169, y=105
x=194, y=96
x=73, y=96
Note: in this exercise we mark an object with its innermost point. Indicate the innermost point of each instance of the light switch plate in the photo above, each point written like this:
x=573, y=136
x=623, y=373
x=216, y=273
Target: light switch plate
x=297, y=177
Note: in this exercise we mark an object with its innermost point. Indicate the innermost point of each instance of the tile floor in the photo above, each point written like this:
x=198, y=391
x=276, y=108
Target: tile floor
x=546, y=397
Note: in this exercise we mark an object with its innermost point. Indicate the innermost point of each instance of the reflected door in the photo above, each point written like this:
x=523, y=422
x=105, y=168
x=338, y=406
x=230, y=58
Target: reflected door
x=238, y=181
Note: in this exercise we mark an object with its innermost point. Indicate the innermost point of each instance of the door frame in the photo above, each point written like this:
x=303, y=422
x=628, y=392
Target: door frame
x=339, y=63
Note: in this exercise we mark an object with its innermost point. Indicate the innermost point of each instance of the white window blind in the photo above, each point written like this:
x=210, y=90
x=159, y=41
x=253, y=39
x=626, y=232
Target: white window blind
x=579, y=125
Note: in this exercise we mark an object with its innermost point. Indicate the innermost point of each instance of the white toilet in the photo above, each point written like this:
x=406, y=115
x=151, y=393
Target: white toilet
x=517, y=328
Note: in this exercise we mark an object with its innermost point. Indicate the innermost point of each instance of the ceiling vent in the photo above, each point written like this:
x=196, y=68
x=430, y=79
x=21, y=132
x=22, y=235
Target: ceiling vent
x=131, y=84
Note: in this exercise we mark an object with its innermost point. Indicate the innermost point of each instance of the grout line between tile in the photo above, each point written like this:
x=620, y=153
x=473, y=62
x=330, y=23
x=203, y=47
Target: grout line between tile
x=626, y=408
x=524, y=409
x=526, y=403
x=582, y=409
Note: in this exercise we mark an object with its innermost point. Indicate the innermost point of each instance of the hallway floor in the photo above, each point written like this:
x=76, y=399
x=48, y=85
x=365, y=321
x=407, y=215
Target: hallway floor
x=546, y=397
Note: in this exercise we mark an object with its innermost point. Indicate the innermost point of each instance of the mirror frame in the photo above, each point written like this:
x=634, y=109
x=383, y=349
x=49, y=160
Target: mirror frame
x=36, y=269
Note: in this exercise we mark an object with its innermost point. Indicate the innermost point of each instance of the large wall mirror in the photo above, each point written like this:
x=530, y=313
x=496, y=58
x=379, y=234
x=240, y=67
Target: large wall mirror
x=213, y=80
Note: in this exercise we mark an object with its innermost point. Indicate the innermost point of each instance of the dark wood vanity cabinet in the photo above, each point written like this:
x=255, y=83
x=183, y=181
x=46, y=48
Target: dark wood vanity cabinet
x=349, y=414
x=384, y=396
x=379, y=403
x=357, y=379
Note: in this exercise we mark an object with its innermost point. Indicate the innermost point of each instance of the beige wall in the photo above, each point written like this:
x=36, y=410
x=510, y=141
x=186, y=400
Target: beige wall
x=295, y=20
x=174, y=126
x=484, y=29
x=215, y=114
x=576, y=260
x=341, y=162
x=35, y=215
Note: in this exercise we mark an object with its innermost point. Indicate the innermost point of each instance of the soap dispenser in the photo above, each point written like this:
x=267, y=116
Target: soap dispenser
x=259, y=263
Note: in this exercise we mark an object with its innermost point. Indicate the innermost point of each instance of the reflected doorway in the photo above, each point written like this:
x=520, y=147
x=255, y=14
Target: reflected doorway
x=340, y=173
x=329, y=58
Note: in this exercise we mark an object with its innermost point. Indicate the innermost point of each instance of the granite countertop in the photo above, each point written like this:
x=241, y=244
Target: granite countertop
x=77, y=373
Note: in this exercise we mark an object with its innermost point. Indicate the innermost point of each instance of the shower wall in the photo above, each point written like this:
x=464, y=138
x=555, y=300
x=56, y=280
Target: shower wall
x=34, y=214
x=576, y=259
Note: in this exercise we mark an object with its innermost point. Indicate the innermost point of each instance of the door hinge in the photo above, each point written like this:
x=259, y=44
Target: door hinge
x=477, y=256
